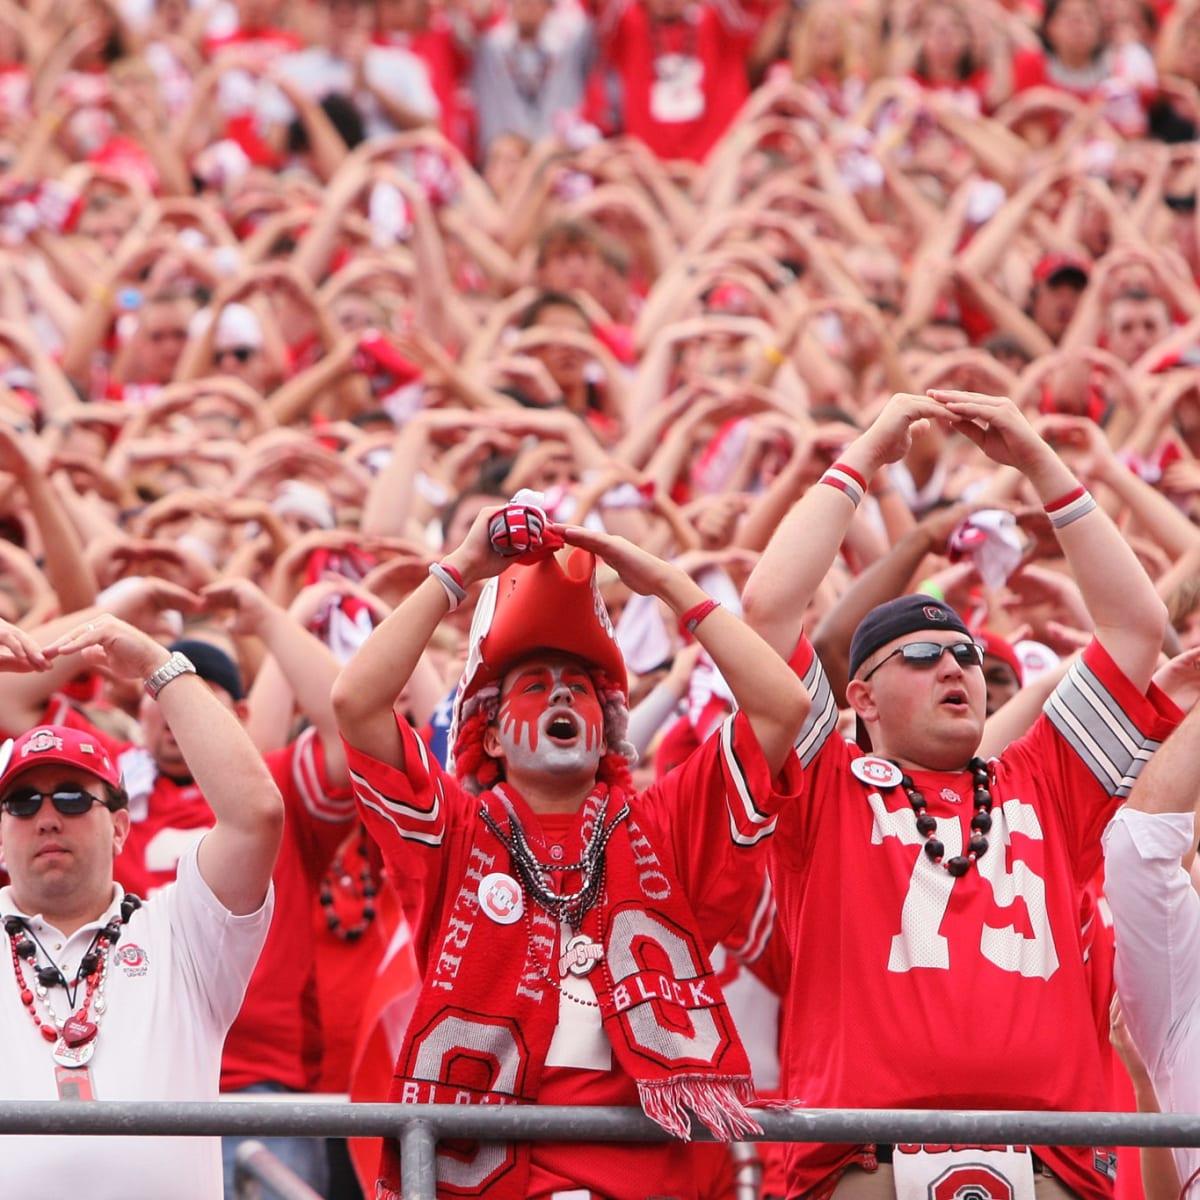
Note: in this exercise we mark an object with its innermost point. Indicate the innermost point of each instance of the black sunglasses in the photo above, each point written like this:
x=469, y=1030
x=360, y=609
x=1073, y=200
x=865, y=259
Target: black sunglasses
x=242, y=353
x=69, y=801
x=924, y=655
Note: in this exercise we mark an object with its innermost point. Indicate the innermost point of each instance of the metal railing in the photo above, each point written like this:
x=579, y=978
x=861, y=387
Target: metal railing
x=418, y=1127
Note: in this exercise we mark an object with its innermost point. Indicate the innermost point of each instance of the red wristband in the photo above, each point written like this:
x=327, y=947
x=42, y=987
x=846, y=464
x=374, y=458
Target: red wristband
x=1069, y=498
x=694, y=615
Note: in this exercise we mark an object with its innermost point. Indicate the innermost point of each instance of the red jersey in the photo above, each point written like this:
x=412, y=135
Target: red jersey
x=274, y=1036
x=914, y=989
x=681, y=82
x=709, y=821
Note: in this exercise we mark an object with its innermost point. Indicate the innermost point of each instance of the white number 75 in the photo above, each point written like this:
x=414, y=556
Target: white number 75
x=920, y=942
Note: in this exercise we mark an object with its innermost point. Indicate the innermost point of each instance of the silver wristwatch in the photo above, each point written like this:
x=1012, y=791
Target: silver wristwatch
x=178, y=664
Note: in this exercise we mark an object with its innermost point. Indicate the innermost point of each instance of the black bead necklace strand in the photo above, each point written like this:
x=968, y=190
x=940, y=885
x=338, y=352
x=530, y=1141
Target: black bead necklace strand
x=981, y=822
x=25, y=944
x=49, y=974
x=368, y=889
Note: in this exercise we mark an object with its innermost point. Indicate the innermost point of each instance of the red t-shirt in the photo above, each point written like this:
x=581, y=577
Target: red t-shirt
x=913, y=989
x=682, y=83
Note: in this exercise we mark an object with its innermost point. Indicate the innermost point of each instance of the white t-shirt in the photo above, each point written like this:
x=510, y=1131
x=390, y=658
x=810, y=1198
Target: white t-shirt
x=175, y=982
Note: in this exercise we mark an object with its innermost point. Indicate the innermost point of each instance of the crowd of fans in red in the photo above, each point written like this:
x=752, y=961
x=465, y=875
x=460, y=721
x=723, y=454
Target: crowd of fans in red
x=288, y=292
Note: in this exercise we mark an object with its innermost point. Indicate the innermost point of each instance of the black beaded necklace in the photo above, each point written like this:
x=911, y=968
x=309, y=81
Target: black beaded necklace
x=981, y=822
x=368, y=889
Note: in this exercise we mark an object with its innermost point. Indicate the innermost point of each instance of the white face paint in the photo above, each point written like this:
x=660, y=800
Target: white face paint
x=550, y=718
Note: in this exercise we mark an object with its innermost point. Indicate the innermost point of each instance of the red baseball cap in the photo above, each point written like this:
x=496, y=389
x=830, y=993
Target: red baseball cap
x=997, y=647
x=1061, y=268
x=56, y=744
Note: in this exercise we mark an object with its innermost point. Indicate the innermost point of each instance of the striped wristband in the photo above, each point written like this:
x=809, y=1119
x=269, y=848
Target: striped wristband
x=846, y=479
x=451, y=580
x=1071, y=507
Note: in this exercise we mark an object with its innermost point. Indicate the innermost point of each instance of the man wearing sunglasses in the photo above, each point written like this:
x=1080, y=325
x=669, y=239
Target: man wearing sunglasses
x=933, y=900
x=105, y=997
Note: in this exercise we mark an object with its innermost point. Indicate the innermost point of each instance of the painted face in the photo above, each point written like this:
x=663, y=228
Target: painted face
x=550, y=718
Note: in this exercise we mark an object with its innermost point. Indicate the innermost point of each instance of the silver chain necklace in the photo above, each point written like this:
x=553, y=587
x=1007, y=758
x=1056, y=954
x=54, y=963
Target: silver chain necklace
x=536, y=876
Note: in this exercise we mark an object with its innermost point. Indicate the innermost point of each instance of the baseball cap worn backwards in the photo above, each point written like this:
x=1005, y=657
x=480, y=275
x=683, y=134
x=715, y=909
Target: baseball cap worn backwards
x=212, y=664
x=895, y=618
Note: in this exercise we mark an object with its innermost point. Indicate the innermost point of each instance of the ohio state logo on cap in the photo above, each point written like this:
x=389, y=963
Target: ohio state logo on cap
x=41, y=740
x=933, y=613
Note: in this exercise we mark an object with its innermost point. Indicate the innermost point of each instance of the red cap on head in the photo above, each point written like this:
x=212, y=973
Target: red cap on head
x=1071, y=269
x=56, y=744
x=997, y=647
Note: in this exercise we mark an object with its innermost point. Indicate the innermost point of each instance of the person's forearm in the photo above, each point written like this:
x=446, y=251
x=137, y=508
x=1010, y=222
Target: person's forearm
x=309, y=668
x=1153, y=511
x=1129, y=617
x=1008, y=316
x=389, y=501
x=1170, y=781
x=87, y=334
x=308, y=665
x=237, y=857
x=646, y=718
x=796, y=560
x=68, y=571
x=369, y=684
x=271, y=708
x=293, y=400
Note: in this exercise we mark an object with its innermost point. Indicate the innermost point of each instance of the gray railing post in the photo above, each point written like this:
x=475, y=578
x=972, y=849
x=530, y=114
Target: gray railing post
x=418, y=1161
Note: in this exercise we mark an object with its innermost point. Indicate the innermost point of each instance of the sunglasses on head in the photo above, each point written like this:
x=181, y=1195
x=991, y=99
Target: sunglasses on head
x=924, y=655
x=68, y=800
x=243, y=354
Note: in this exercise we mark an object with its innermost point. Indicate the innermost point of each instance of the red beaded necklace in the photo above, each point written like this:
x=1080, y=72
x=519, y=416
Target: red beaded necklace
x=74, y=1037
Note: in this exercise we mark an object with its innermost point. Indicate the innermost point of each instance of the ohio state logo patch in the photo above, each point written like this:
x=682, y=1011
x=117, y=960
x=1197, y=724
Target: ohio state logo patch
x=133, y=960
x=971, y=1181
x=876, y=772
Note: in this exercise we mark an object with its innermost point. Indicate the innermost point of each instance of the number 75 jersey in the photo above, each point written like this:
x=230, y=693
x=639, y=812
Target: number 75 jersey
x=913, y=988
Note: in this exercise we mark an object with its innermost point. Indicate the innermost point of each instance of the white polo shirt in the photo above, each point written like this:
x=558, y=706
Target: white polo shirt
x=175, y=983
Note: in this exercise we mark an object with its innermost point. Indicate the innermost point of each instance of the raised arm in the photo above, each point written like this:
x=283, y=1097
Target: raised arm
x=369, y=685
x=238, y=854
x=807, y=540
x=763, y=685
x=305, y=662
x=1129, y=617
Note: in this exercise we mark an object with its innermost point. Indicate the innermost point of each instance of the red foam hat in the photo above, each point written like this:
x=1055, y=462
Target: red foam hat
x=552, y=606
x=56, y=744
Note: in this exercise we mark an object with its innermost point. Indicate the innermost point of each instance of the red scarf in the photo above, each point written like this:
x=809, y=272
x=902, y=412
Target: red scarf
x=487, y=1011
